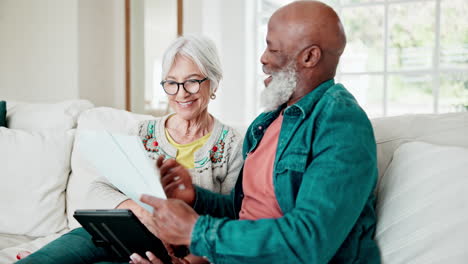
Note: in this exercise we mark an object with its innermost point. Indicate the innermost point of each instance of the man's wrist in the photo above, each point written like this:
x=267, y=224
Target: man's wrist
x=194, y=221
x=202, y=239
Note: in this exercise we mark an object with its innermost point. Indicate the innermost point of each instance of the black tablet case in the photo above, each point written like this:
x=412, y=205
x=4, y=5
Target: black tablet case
x=120, y=232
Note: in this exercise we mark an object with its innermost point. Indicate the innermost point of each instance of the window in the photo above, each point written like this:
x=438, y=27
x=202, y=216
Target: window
x=156, y=39
x=402, y=56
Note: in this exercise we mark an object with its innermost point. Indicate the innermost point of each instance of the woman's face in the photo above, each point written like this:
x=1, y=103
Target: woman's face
x=188, y=106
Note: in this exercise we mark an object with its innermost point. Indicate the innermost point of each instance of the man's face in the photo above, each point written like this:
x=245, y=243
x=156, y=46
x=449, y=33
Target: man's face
x=280, y=66
x=275, y=57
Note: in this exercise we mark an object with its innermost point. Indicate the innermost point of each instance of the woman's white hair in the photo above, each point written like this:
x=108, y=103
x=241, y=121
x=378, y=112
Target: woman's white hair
x=202, y=51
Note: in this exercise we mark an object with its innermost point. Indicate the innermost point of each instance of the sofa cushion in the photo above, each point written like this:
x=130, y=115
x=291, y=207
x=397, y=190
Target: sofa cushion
x=37, y=116
x=83, y=173
x=2, y=113
x=422, y=205
x=35, y=168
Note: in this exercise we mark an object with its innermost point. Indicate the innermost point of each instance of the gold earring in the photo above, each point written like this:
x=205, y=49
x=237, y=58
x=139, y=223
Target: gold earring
x=213, y=96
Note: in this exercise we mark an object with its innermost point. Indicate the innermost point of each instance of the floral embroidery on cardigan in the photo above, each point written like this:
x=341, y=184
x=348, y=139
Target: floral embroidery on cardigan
x=151, y=144
x=217, y=152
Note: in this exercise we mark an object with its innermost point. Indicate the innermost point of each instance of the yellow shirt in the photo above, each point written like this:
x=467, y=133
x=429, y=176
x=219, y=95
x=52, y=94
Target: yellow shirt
x=185, y=152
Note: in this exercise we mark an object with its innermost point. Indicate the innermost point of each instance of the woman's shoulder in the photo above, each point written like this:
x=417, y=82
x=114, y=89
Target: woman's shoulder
x=148, y=127
x=228, y=142
x=224, y=131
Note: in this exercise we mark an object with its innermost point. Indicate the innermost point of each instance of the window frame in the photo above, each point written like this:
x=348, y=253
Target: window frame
x=435, y=70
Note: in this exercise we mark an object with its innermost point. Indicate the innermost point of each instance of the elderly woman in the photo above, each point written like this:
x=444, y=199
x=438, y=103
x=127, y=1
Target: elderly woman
x=195, y=139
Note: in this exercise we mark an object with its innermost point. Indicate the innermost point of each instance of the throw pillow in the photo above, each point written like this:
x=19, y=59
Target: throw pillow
x=34, y=172
x=422, y=205
x=38, y=116
x=2, y=113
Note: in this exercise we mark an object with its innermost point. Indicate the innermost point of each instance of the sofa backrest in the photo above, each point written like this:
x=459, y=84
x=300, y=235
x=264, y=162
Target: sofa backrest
x=441, y=129
x=39, y=116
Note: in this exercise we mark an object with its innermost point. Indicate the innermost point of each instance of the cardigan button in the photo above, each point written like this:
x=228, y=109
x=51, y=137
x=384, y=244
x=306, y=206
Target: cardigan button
x=260, y=127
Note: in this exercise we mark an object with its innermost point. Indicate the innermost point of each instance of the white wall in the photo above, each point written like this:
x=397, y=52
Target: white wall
x=38, y=50
x=52, y=50
x=101, y=52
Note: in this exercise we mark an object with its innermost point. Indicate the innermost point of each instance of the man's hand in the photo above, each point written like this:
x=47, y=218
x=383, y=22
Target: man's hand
x=176, y=180
x=172, y=221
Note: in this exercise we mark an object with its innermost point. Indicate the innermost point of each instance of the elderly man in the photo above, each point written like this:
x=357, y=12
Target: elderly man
x=305, y=194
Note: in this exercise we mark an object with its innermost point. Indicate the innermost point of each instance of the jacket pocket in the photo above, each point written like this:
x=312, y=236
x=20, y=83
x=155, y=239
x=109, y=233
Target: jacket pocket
x=294, y=161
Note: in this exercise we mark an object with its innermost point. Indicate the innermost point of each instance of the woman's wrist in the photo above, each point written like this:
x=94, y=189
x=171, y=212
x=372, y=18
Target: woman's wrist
x=132, y=205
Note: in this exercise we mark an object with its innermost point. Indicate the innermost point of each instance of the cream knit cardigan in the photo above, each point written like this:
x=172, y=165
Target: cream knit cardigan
x=217, y=162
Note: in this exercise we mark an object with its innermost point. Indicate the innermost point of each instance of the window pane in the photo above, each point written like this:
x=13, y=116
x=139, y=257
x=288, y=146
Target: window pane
x=347, y=2
x=365, y=35
x=454, y=34
x=411, y=35
x=453, y=93
x=156, y=39
x=333, y=3
x=368, y=90
x=409, y=94
x=267, y=7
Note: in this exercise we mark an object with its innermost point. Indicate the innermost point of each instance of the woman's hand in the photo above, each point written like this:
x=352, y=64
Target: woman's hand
x=137, y=259
x=139, y=211
x=176, y=180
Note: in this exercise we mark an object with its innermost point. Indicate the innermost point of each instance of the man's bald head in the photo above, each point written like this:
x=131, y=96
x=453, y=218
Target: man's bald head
x=310, y=22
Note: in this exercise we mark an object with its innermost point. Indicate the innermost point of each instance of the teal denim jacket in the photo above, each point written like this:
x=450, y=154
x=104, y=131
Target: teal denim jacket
x=324, y=175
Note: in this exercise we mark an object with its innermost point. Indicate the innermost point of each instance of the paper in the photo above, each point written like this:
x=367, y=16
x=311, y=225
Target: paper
x=124, y=162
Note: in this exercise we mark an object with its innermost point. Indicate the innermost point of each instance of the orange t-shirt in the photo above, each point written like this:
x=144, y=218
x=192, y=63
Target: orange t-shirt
x=259, y=194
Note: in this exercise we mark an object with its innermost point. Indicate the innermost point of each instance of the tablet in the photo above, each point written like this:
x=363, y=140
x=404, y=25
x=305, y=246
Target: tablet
x=121, y=233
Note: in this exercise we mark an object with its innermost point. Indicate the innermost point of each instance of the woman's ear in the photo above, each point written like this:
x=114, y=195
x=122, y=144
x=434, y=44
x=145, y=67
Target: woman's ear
x=311, y=56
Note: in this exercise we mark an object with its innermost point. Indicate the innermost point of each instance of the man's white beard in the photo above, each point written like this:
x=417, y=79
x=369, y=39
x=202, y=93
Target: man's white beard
x=279, y=90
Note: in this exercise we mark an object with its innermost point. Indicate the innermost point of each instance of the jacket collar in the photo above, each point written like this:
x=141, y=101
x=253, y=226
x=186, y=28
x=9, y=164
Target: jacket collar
x=301, y=109
x=304, y=106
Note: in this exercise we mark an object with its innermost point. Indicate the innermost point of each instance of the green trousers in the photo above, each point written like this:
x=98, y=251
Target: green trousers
x=74, y=247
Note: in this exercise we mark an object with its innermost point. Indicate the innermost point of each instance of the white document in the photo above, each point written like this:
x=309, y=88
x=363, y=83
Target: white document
x=124, y=162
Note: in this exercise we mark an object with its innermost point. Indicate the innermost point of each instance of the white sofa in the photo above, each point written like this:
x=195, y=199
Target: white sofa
x=422, y=193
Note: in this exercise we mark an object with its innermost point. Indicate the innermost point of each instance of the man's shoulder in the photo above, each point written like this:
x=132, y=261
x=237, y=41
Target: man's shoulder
x=337, y=103
x=338, y=93
x=338, y=98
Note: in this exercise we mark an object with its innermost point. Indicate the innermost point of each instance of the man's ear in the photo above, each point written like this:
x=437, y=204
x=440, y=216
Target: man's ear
x=311, y=56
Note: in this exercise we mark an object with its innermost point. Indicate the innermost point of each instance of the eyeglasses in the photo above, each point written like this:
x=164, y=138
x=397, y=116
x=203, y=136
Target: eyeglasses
x=190, y=86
